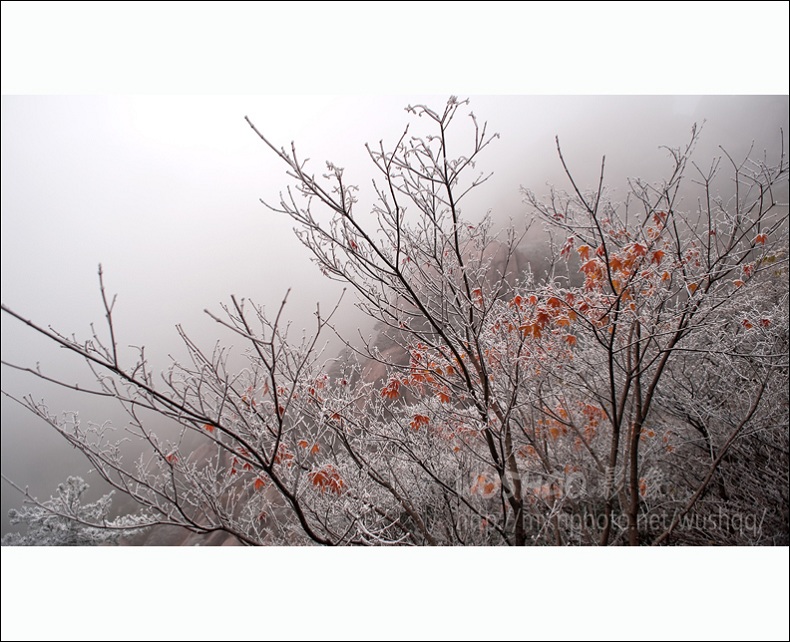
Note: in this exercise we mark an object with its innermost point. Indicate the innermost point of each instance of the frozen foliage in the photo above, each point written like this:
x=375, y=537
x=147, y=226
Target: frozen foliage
x=635, y=393
x=64, y=520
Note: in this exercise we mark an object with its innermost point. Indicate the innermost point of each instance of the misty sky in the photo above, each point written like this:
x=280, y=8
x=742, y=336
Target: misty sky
x=163, y=191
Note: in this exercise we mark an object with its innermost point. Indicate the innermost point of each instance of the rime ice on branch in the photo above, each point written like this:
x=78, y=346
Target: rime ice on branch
x=631, y=386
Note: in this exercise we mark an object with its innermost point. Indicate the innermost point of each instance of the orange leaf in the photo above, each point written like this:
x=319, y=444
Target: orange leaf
x=657, y=256
x=259, y=483
x=584, y=252
x=443, y=397
x=209, y=427
x=530, y=329
x=593, y=266
x=737, y=283
x=761, y=239
x=314, y=449
x=570, y=340
x=484, y=485
x=302, y=443
x=747, y=324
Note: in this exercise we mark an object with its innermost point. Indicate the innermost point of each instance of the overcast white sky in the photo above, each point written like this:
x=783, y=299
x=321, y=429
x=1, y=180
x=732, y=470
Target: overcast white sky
x=163, y=189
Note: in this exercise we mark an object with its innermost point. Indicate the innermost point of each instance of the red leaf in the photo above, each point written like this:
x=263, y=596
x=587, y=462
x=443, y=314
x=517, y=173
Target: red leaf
x=419, y=420
x=390, y=391
x=282, y=455
x=209, y=427
x=542, y=318
x=567, y=247
x=327, y=478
